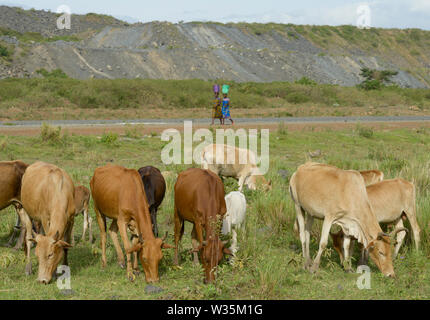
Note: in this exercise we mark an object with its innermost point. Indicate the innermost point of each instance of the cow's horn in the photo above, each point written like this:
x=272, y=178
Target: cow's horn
x=224, y=242
x=57, y=236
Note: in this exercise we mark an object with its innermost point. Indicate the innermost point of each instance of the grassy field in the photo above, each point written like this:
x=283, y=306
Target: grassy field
x=269, y=264
x=55, y=98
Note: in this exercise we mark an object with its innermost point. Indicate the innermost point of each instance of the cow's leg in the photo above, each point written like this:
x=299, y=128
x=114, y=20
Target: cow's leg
x=21, y=239
x=323, y=244
x=241, y=182
x=233, y=247
x=153, y=210
x=400, y=236
x=134, y=242
x=179, y=231
x=113, y=232
x=68, y=237
x=25, y=219
x=347, y=242
x=101, y=220
x=308, y=229
x=301, y=224
x=16, y=230
x=195, y=244
x=122, y=225
x=411, y=214
x=85, y=227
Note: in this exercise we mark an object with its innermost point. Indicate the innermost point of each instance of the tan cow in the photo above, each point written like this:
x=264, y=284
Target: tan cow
x=243, y=165
x=372, y=176
x=337, y=197
x=11, y=173
x=118, y=193
x=47, y=195
x=391, y=200
x=82, y=200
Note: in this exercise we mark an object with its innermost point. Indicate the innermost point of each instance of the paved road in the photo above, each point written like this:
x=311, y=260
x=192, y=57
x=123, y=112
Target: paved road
x=119, y=122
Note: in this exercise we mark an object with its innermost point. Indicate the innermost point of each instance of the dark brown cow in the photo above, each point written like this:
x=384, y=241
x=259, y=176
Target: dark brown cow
x=155, y=188
x=119, y=194
x=47, y=195
x=199, y=199
x=11, y=173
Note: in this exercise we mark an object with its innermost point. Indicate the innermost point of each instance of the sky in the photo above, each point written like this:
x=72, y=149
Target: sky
x=383, y=13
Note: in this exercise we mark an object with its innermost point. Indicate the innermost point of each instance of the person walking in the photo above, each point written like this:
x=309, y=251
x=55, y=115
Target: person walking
x=226, y=104
x=216, y=109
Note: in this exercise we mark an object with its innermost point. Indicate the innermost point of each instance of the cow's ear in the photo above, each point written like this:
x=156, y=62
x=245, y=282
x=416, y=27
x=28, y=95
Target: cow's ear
x=167, y=246
x=227, y=251
x=371, y=245
x=63, y=244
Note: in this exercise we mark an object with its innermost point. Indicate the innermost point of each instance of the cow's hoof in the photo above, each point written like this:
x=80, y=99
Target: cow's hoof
x=121, y=265
x=131, y=276
x=314, y=269
x=136, y=272
x=28, y=269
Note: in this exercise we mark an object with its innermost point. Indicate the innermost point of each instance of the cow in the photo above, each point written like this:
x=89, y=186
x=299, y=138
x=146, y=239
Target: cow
x=235, y=217
x=155, y=188
x=228, y=161
x=199, y=199
x=82, y=200
x=11, y=173
x=118, y=193
x=47, y=196
x=337, y=197
x=369, y=176
x=372, y=176
x=391, y=201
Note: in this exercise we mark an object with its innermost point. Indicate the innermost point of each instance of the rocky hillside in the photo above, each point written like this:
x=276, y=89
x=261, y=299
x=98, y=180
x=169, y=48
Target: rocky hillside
x=103, y=47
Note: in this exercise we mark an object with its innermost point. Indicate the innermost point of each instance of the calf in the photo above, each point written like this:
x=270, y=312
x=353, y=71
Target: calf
x=199, y=199
x=118, y=193
x=82, y=200
x=47, y=195
x=216, y=158
x=155, y=188
x=234, y=218
x=391, y=201
x=337, y=197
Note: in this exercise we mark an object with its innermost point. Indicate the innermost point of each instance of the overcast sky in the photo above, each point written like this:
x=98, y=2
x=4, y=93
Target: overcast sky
x=384, y=13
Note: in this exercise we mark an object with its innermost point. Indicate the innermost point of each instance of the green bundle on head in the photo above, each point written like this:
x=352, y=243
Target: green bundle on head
x=225, y=89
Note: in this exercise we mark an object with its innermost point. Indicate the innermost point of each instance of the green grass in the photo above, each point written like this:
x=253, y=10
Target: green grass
x=269, y=258
x=304, y=97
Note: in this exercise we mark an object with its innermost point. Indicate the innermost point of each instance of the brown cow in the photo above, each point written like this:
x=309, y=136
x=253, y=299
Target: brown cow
x=199, y=199
x=47, y=195
x=337, y=197
x=119, y=194
x=82, y=200
x=372, y=176
x=11, y=173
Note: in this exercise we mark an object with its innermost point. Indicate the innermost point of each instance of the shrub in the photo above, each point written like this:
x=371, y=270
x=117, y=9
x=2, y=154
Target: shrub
x=306, y=81
x=365, y=132
x=56, y=73
x=4, y=52
x=52, y=135
x=297, y=97
x=109, y=138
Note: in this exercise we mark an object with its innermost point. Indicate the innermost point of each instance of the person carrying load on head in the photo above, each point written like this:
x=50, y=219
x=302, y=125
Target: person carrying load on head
x=226, y=104
x=216, y=110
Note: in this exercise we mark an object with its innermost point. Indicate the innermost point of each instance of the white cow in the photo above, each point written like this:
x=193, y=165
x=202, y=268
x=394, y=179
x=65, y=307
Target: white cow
x=235, y=216
x=229, y=161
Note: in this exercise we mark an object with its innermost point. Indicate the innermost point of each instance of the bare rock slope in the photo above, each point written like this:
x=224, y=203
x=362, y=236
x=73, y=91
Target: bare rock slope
x=104, y=47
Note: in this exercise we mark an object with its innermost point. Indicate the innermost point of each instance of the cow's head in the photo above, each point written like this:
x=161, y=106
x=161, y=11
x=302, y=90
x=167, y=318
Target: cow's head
x=150, y=254
x=212, y=251
x=255, y=182
x=380, y=252
x=49, y=251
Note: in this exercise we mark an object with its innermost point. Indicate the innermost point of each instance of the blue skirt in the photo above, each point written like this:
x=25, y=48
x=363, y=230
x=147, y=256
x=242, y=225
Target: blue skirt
x=226, y=112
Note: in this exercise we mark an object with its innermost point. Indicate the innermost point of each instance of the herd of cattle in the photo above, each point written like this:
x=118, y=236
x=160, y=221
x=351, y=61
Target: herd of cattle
x=47, y=202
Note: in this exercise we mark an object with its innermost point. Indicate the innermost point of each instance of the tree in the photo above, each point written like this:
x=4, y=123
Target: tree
x=375, y=79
